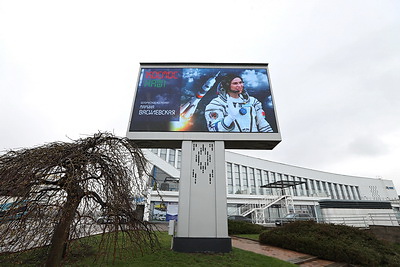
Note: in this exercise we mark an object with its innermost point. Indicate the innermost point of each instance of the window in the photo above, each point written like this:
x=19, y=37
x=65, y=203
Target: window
x=318, y=185
x=266, y=177
x=301, y=187
x=236, y=175
x=346, y=187
x=342, y=191
x=296, y=187
x=179, y=159
x=324, y=188
x=306, y=185
x=171, y=159
x=229, y=177
x=266, y=181
x=353, y=192
x=163, y=153
x=252, y=181
x=258, y=181
x=358, y=193
x=335, y=187
x=331, y=193
x=312, y=185
x=272, y=177
x=244, y=178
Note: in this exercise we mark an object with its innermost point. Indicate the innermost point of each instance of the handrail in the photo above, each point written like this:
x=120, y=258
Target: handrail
x=247, y=212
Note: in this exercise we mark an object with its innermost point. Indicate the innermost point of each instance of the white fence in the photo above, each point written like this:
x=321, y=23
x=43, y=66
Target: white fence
x=363, y=221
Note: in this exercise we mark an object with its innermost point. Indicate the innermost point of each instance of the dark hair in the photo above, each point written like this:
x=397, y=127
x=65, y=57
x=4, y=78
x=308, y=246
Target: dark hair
x=227, y=79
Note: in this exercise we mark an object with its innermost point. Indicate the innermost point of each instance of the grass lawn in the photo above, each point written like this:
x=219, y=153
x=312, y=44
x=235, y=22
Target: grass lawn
x=249, y=236
x=164, y=256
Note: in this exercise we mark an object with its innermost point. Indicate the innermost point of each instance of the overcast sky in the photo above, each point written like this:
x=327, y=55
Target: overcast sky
x=69, y=68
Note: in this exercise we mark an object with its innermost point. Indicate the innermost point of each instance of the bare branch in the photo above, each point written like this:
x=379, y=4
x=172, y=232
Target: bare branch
x=57, y=191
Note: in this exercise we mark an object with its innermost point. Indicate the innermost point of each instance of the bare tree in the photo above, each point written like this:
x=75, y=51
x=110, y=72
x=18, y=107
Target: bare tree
x=55, y=192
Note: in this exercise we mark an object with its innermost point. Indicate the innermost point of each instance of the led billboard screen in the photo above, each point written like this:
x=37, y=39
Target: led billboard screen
x=182, y=101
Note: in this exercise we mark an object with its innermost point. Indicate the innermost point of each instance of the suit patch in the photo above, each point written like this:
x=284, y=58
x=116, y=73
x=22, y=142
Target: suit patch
x=213, y=115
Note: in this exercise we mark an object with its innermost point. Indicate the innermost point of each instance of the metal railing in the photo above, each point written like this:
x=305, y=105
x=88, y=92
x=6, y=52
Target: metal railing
x=360, y=221
x=248, y=208
x=363, y=221
x=257, y=211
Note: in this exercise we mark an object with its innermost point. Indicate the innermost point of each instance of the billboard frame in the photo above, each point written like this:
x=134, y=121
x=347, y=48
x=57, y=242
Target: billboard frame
x=233, y=140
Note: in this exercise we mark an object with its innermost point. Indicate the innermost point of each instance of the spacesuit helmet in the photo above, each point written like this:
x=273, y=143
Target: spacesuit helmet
x=225, y=85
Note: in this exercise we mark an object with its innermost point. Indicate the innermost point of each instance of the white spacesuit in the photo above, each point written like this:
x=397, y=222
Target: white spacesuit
x=243, y=114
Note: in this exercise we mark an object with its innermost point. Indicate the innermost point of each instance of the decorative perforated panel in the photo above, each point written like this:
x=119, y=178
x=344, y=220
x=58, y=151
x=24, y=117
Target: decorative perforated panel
x=203, y=162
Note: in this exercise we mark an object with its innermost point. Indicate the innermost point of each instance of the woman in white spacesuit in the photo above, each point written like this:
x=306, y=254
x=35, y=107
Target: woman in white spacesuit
x=234, y=110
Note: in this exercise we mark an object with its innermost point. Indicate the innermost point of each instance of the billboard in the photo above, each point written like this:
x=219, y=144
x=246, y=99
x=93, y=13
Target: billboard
x=202, y=101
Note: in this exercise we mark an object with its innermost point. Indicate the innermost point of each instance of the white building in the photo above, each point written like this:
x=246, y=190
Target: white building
x=266, y=190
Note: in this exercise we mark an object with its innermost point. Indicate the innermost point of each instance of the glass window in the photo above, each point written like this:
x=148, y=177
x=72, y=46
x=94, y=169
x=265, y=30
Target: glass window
x=272, y=177
x=298, y=189
x=259, y=182
x=266, y=181
x=244, y=177
x=312, y=185
x=171, y=159
x=324, y=188
x=358, y=193
x=252, y=181
x=266, y=177
x=306, y=185
x=300, y=186
x=342, y=191
x=179, y=159
x=295, y=187
x=318, y=185
x=229, y=177
x=346, y=187
x=236, y=175
x=331, y=193
x=163, y=153
x=353, y=193
x=335, y=187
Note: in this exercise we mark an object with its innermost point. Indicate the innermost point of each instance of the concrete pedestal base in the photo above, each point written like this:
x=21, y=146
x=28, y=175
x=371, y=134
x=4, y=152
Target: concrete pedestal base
x=202, y=245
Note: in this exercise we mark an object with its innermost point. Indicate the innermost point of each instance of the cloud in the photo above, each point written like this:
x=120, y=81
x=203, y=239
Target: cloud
x=367, y=145
x=253, y=78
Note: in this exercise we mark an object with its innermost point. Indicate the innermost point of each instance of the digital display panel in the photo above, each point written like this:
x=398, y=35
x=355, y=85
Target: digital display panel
x=199, y=101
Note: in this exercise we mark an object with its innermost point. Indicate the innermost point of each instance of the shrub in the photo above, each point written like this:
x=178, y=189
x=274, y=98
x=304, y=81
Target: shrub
x=240, y=227
x=333, y=242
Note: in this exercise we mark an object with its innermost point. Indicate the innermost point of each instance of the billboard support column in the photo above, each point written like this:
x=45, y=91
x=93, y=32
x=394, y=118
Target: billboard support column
x=202, y=223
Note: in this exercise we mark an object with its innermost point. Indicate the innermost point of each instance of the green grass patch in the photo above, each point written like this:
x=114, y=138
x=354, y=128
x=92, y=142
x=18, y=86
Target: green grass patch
x=254, y=237
x=333, y=242
x=86, y=254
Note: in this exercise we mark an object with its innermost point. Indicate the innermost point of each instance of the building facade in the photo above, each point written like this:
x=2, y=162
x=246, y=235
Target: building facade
x=266, y=190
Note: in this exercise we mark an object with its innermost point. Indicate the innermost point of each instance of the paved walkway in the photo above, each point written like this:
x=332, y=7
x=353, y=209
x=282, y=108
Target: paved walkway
x=298, y=258
x=283, y=254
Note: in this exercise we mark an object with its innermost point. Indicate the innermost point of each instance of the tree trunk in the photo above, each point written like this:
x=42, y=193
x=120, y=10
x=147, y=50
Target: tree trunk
x=61, y=232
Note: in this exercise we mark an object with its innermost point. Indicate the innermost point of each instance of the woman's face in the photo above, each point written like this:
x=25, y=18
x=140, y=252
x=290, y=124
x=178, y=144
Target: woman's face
x=236, y=87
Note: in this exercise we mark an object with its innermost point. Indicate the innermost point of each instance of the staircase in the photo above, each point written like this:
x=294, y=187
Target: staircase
x=258, y=210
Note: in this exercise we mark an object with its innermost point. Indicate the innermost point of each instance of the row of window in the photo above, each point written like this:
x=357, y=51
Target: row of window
x=172, y=156
x=247, y=180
